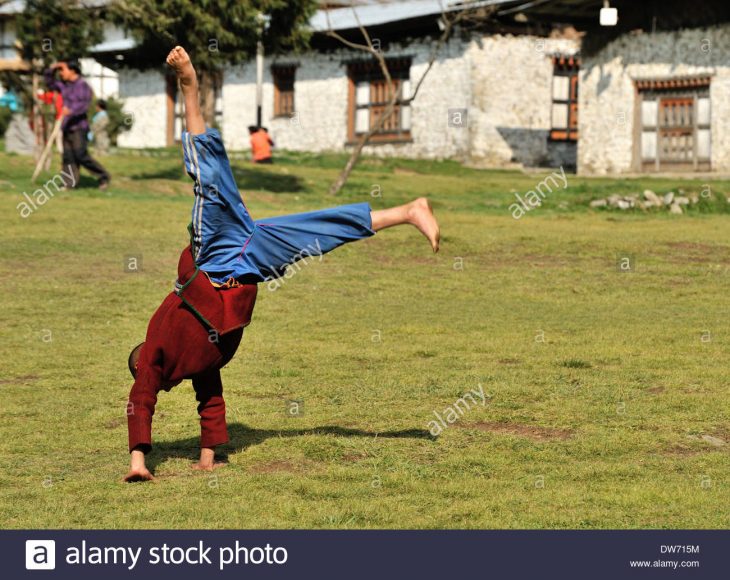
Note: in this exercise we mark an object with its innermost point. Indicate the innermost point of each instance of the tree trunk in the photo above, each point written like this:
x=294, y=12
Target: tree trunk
x=37, y=119
x=349, y=166
x=206, y=83
x=448, y=26
x=364, y=140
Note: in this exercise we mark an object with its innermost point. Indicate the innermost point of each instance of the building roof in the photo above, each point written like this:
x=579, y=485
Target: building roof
x=402, y=16
x=390, y=12
x=11, y=7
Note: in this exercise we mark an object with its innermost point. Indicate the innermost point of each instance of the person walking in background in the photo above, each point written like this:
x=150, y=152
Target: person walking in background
x=76, y=95
x=54, y=98
x=99, y=134
x=261, y=145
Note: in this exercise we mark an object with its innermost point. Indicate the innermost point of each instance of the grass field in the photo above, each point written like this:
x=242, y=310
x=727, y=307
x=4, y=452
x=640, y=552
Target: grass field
x=607, y=390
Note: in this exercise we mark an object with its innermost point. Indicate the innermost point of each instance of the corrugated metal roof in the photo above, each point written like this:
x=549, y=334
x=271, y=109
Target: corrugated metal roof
x=384, y=13
x=369, y=14
x=12, y=7
x=116, y=45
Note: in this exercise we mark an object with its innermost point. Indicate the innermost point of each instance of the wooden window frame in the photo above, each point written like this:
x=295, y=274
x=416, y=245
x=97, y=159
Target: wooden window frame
x=666, y=91
x=10, y=48
x=175, y=109
x=566, y=67
x=370, y=71
x=284, y=79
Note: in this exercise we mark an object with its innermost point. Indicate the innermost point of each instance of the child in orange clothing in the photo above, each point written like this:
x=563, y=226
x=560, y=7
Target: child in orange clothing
x=261, y=145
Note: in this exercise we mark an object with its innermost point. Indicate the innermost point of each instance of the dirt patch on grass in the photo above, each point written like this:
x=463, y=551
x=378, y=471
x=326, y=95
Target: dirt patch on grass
x=702, y=444
x=543, y=260
x=399, y=261
x=723, y=431
x=262, y=396
x=404, y=171
x=282, y=466
x=354, y=457
x=698, y=252
x=655, y=390
x=694, y=246
x=114, y=423
x=22, y=380
x=509, y=361
x=714, y=441
x=530, y=431
x=681, y=451
x=499, y=257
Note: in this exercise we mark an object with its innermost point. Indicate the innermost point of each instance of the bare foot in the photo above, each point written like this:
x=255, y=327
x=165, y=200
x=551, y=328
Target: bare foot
x=179, y=61
x=139, y=474
x=199, y=466
x=420, y=214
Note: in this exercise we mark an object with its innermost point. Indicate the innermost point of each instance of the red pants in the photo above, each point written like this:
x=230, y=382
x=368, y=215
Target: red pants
x=178, y=346
x=211, y=408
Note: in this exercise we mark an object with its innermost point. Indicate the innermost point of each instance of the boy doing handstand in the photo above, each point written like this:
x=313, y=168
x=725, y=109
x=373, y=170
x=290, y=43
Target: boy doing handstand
x=198, y=327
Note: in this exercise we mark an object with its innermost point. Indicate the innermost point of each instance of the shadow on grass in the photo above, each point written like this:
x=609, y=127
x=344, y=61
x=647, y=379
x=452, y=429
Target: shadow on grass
x=245, y=179
x=243, y=437
x=268, y=181
x=174, y=172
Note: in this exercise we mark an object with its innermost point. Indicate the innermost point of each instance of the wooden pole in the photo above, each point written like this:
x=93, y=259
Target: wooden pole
x=47, y=148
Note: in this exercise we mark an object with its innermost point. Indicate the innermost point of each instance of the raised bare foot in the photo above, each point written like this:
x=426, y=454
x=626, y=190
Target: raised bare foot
x=138, y=474
x=199, y=466
x=420, y=214
x=180, y=62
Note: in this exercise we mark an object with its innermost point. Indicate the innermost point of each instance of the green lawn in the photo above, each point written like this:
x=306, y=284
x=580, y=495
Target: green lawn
x=608, y=390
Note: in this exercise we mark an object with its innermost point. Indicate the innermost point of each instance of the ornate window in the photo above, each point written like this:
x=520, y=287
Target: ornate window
x=368, y=100
x=565, y=98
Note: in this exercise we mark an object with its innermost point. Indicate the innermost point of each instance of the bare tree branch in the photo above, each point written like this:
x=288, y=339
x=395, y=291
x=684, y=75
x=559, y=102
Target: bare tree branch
x=449, y=21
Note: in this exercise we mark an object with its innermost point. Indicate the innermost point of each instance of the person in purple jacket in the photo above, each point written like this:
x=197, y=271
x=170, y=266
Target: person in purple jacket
x=76, y=94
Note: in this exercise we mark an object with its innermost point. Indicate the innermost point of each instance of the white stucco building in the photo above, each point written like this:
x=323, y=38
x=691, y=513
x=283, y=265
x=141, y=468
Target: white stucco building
x=657, y=102
x=540, y=83
x=471, y=106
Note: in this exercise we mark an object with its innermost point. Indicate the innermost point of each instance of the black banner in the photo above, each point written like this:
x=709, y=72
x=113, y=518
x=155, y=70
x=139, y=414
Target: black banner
x=355, y=554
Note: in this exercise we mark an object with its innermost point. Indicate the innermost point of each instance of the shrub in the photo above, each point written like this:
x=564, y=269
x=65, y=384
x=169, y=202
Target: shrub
x=119, y=121
x=5, y=115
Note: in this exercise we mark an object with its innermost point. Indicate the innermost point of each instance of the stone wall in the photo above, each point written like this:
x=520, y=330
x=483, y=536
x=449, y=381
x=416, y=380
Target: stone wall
x=510, y=117
x=320, y=98
x=145, y=98
x=503, y=82
x=508, y=114
x=607, y=100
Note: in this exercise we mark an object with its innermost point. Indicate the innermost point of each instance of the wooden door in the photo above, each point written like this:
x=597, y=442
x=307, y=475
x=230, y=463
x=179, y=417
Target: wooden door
x=676, y=130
